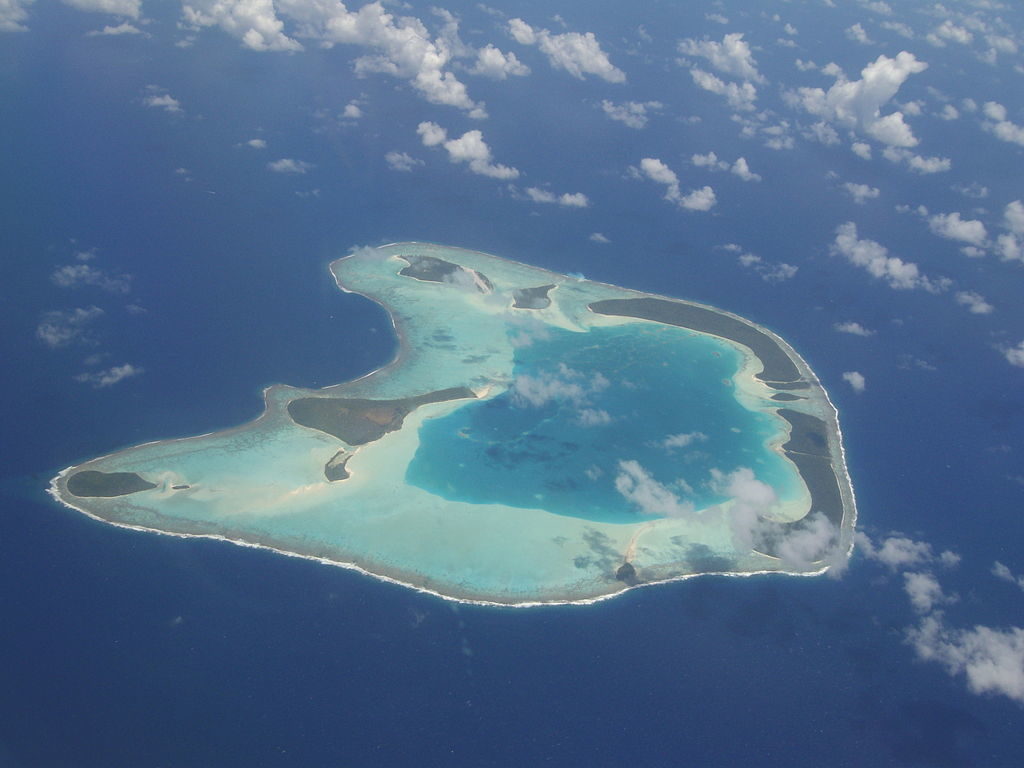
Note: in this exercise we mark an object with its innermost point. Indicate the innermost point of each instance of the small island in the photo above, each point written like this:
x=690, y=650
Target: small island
x=538, y=439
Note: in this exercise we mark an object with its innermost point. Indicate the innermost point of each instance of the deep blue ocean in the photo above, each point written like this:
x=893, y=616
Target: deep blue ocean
x=120, y=648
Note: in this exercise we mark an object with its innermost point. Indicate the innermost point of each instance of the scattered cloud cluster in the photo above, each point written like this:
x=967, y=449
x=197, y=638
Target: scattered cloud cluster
x=289, y=165
x=856, y=381
x=861, y=193
x=128, y=8
x=652, y=168
x=874, y=257
x=110, y=376
x=852, y=328
x=990, y=658
x=74, y=275
x=401, y=161
x=63, y=327
x=731, y=57
x=566, y=199
x=633, y=114
x=739, y=168
x=470, y=148
x=1010, y=245
x=1003, y=573
x=566, y=387
x=1001, y=127
x=857, y=104
x=639, y=488
x=578, y=54
x=158, y=98
x=13, y=14
x=402, y=47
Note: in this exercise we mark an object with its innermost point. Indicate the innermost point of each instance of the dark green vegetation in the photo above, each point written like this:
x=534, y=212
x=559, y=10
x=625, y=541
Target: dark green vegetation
x=334, y=470
x=434, y=270
x=777, y=365
x=93, y=483
x=532, y=298
x=358, y=421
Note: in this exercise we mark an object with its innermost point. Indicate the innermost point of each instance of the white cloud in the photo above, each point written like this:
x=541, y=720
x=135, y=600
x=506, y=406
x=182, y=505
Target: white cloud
x=1015, y=355
x=856, y=381
x=124, y=28
x=1000, y=571
x=577, y=54
x=110, y=376
x=998, y=124
x=72, y=275
x=974, y=302
x=917, y=163
x=400, y=46
x=650, y=497
x=562, y=385
x=991, y=659
x=469, y=148
x=854, y=329
x=741, y=169
x=875, y=258
x=739, y=96
x=256, y=144
x=655, y=170
x=12, y=15
x=60, y=328
x=597, y=237
x=948, y=31
x=682, y=440
x=129, y=8
x=857, y=104
x=254, y=22
x=949, y=112
x=702, y=199
x=631, y=113
x=1011, y=245
x=924, y=591
x=401, y=161
x=751, y=499
x=732, y=56
x=1013, y=216
x=491, y=62
x=899, y=28
x=812, y=542
x=289, y=165
x=569, y=200
x=158, y=98
x=352, y=111
x=431, y=134
x=952, y=227
x=770, y=272
x=861, y=149
x=716, y=17
x=858, y=34
x=593, y=417
x=898, y=552
x=823, y=133
x=710, y=160
x=877, y=6
x=861, y=193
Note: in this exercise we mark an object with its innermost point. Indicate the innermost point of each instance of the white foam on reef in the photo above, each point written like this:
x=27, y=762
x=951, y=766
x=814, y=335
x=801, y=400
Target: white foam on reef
x=262, y=484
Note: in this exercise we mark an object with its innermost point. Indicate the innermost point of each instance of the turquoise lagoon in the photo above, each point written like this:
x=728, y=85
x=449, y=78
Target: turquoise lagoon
x=522, y=448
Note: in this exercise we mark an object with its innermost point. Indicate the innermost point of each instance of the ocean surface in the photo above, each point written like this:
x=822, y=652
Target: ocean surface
x=122, y=648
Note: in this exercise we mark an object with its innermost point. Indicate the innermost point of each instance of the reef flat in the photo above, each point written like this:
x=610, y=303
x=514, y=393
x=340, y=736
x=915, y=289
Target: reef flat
x=538, y=438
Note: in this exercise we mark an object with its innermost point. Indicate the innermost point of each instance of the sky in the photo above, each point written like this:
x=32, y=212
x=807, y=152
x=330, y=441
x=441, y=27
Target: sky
x=847, y=174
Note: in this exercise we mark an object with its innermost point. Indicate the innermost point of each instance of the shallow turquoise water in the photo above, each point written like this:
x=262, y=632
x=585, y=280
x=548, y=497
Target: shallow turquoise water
x=609, y=395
